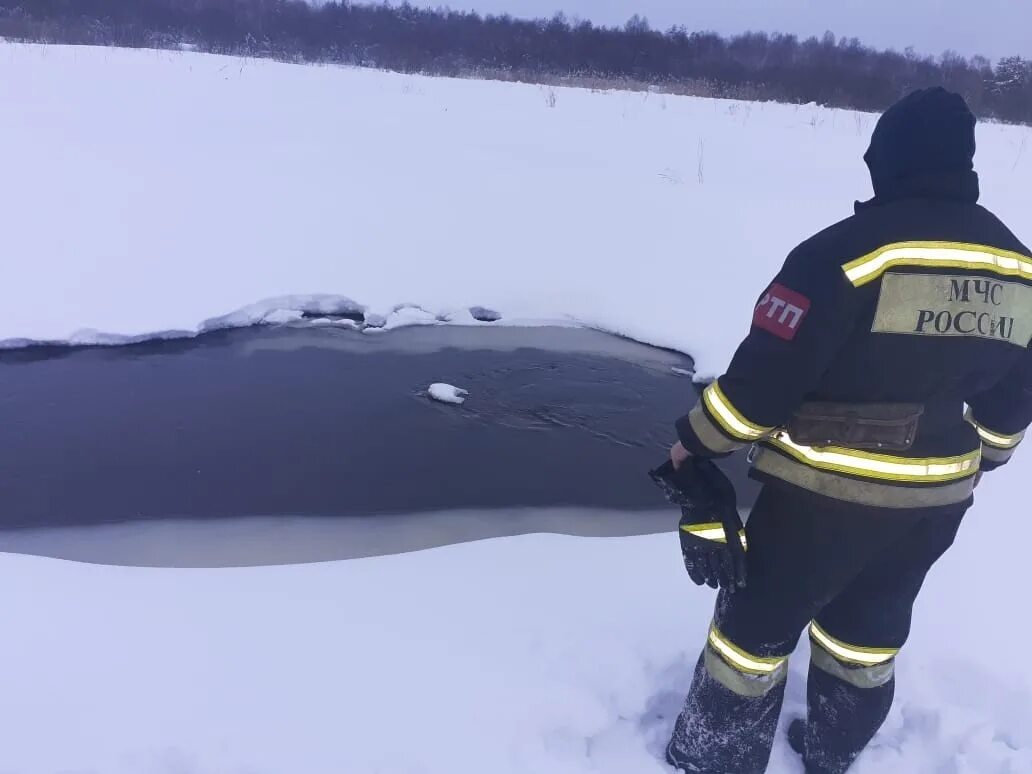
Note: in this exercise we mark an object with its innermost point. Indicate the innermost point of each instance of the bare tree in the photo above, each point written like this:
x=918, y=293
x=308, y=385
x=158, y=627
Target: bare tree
x=832, y=71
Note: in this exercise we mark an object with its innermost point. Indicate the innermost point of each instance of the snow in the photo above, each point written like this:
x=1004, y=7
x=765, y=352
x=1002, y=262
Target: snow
x=153, y=193
x=285, y=309
x=538, y=653
x=484, y=315
x=190, y=188
x=446, y=393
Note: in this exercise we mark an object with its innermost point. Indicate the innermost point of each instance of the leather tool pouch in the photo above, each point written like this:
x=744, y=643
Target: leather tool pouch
x=873, y=426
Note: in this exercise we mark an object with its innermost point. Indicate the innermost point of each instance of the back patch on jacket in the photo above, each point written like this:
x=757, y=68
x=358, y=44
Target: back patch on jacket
x=954, y=305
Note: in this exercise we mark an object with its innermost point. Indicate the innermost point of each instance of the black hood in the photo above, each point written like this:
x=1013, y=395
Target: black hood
x=924, y=147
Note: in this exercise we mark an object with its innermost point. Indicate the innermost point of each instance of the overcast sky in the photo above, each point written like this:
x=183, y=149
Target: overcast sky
x=993, y=28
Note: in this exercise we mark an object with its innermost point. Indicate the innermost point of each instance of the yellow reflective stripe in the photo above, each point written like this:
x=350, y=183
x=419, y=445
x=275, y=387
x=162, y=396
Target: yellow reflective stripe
x=851, y=653
x=729, y=417
x=996, y=439
x=957, y=255
x=999, y=440
x=739, y=659
x=709, y=434
x=714, y=532
x=882, y=466
x=707, y=531
x=866, y=491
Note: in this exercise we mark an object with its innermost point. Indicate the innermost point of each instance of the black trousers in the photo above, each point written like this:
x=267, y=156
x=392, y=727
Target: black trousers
x=854, y=572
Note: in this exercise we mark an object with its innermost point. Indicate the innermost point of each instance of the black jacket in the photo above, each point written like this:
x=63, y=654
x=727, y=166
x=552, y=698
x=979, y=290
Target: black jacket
x=922, y=297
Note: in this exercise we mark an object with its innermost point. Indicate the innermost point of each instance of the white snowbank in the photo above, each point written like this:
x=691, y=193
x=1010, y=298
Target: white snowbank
x=151, y=191
x=447, y=393
x=286, y=309
x=538, y=654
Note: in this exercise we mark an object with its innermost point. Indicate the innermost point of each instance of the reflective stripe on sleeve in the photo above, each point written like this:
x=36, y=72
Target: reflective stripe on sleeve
x=739, y=659
x=730, y=419
x=880, y=466
x=997, y=448
x=852, y=654
x=709, y=434
x=999, y=440
x=997, y=456
x=957, y=255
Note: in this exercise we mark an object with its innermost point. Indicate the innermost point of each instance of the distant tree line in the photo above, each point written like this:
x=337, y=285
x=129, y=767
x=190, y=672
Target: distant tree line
x=829, y=71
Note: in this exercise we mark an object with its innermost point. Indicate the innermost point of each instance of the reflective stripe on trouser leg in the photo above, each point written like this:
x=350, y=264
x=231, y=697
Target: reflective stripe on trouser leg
x=862, y=667
x=739, y=671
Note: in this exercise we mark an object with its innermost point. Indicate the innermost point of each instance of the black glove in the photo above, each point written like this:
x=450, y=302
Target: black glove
x=709, y=521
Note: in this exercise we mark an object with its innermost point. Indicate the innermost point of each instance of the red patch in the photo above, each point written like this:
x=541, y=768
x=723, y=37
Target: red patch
x=781, y=311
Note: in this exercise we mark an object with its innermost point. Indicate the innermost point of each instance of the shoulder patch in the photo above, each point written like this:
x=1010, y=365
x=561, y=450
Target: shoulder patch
x=781, y=311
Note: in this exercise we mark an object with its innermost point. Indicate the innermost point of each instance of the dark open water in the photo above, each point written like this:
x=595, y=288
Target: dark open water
x=297, y=443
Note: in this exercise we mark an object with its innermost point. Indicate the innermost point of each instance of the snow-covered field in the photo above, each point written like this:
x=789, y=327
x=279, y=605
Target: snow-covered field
x=533, y=654
x=150, y=191
x=146, y=192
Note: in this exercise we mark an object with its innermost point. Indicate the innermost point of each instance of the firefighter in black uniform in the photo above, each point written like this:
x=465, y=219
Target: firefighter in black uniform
x=887, y=367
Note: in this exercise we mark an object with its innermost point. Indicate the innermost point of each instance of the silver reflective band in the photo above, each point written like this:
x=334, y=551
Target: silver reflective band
x=851, y=653
x=729, y=417
x=747, y=685
x=880, y=466
x=998, y=456
x=939, y=254
x=864, y=677
x=741, y=660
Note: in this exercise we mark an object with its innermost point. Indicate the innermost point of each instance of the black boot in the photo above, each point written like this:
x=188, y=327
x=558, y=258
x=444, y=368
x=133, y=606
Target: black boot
x=843, y=718
x=797, y=741
x=671, y=759
x=721, y=732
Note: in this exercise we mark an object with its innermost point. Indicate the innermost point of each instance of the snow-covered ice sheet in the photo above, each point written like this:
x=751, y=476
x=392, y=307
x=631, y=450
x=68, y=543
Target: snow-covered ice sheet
x=149, y=191
x=533, y=654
